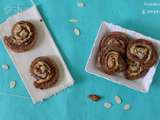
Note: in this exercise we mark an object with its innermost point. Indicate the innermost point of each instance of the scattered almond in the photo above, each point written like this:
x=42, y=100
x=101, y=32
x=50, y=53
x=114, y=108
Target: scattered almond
x=73, y=20
x=13, y=84
x=76, y=31
x=126, y=107
x=117, y=99
x=5, y=66
x=107, y=105
x=94, y=97
x=80, y=4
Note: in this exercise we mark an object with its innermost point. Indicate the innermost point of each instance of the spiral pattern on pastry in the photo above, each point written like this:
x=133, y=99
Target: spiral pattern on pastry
x=117, y=39
x=110, y=61
x=135, y=70
x=143, y=52
x=45, y=72
x=22, y=37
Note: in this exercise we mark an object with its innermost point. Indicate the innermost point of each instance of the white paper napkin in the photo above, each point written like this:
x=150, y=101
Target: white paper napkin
x=45, y=46
x=142, y=84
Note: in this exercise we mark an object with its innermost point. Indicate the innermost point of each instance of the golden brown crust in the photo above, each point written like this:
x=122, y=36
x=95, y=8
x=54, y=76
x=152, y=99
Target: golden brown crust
x=135, y=70
x=143, y=52
x=45, y=72
x=22, y=38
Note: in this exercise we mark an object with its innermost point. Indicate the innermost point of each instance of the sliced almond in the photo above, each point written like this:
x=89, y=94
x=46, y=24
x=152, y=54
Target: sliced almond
x=13, y=84
x=117, y=99
x=107, y=105
x=73, y=20
x=80, y=4
x=5, y=66
x=76, y=31
x=126, y=107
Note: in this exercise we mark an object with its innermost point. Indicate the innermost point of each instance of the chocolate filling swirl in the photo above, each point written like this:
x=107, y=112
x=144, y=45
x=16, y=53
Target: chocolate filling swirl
x=45, y=72
x=117, y=40
x=110, y=61
x=22, y=37
x=116, y=48
x=143, y=52
x=135, y=70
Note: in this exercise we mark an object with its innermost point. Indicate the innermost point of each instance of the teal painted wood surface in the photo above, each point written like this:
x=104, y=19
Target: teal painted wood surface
x=73, y=104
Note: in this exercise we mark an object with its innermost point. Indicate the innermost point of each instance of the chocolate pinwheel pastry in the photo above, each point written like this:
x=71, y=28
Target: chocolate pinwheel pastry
x=22, y=37
x=110, y=61
x=118, y=40
x=143, y=52
x=135, y=70
x=45, y=72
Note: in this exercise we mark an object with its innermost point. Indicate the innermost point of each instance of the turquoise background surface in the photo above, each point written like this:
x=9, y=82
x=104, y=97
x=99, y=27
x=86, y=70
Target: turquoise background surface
x=72, y=103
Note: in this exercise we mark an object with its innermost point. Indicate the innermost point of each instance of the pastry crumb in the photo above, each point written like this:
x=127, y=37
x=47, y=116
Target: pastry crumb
x=41, y=20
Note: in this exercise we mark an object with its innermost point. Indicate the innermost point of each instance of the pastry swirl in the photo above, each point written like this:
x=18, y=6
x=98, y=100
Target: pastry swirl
x=45, y=72
x=143, y=52
x=135, y=70
x=117, y=53
x=22, y=37
x=111, y=61
x=116, y=39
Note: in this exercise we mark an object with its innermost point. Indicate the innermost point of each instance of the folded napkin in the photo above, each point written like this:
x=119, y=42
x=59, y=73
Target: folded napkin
x=45, y=46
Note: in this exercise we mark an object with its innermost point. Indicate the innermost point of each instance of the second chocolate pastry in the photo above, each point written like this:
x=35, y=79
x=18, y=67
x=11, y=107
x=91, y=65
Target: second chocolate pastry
x=110, y=61
x=45, y=71
x=118, y=40
x=143, y=52
x=135, y=70
x=22, y=38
